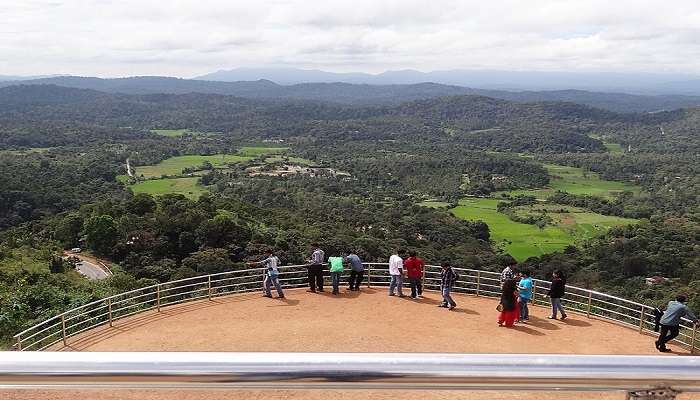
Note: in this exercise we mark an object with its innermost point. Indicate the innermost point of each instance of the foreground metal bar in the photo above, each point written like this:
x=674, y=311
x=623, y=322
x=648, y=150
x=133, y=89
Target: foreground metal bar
x=348, y=371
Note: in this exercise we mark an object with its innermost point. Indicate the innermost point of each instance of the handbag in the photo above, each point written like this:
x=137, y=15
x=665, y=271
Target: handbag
x=499, y=307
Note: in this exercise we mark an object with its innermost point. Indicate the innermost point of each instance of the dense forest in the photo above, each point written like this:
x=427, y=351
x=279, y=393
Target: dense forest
x=62, y=151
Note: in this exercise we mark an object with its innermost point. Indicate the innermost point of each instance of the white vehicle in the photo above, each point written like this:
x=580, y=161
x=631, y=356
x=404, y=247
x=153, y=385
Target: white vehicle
x=76, y=250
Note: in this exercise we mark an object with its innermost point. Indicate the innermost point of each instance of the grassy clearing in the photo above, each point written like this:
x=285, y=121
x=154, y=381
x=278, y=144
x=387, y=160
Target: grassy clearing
x=524, y=240
x=185, y=186
x=576, y=181
x=257, y=151
x=174, y=132
x=27, y=151
x=434, y=204
x=175, y=165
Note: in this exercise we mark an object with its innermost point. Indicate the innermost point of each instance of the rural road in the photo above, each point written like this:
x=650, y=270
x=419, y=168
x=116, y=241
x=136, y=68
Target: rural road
x=128, y=168
x=89, y=267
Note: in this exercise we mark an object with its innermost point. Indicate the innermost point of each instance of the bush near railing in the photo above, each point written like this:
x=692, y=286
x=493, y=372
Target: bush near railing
x=475, y=282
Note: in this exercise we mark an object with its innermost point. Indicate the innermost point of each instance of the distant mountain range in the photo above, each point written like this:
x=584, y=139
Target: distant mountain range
x=359, y=94
x=637, y=83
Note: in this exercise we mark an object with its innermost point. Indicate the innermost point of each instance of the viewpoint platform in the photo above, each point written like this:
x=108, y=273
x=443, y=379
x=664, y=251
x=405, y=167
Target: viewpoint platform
x=364, y=321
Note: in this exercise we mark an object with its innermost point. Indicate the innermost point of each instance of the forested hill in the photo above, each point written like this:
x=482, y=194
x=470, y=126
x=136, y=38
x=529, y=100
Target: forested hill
x=360, y=94
x=479, y=121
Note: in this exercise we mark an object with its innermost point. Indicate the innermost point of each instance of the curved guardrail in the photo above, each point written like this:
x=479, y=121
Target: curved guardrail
x=476, y=282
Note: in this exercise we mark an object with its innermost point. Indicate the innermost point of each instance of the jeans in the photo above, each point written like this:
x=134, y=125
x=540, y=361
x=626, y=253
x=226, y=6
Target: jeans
x=556, y=305
x=416, y=287
x=316, y=277
x=668, y=333
x=524, y=311
x=396, y=283
x=335, y=280
x=446, y=298
x=356, y=279
x=269, y=281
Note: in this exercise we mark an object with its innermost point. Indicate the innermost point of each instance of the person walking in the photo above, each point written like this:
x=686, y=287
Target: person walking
x=448, y=277
x=525, y=290
x=357, y=271
x=271, y=262
x=414, y=272
x=556, y=292
x=509, y=304
x=336, y=268
x=671, y=321
x=315, y=269
x=396, y=273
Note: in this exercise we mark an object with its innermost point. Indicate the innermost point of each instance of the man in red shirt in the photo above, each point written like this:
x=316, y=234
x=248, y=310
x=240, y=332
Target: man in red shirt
x=414, y=270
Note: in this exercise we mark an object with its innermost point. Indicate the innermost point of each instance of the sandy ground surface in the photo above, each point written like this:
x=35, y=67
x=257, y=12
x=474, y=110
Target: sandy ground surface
x=368, y=321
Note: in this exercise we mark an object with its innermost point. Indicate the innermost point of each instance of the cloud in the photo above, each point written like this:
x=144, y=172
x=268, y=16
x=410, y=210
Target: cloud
x=188, y=37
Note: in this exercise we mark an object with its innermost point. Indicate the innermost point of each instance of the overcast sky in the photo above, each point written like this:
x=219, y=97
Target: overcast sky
x=192, y=37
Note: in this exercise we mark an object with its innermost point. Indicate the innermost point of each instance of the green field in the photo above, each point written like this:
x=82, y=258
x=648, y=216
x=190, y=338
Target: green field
x=174, y=132
x=575, y=181
x=175, y=165
x=257, y=151
x=185, y=186
x=612, y=147
x=434, y=204
x=524, y=240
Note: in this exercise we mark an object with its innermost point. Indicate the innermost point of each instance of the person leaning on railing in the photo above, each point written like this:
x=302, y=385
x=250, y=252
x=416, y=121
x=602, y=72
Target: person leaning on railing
x=396, y=273
x=671, y=321
x=357, y=271
x=271, y=262
x=315, y=269
x=336, y=269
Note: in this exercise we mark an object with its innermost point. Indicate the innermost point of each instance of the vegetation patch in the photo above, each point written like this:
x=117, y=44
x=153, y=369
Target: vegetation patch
x=175, y=165
x=175, y=132
x=257, y=151
x=185, y=186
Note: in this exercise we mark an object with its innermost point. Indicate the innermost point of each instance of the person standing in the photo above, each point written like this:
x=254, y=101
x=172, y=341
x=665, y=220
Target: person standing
x=316, y=269
x=396, y=273
x=271, y=262
x=448, y=277
x=525, y=290
x=414, y=272
x=357, y=271
x=509, y=304
x=556, y=292
x=336, y=268
x=508, y=273
x=671, y=321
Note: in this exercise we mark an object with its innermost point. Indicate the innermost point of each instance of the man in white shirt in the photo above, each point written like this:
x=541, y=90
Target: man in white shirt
x=396, y=272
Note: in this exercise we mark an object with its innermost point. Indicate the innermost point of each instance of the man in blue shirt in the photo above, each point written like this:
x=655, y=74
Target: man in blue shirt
x=525, y=288
x=671, y=320
x=357, y=271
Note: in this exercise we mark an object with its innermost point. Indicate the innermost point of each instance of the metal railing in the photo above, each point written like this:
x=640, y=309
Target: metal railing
x=408, y=371
x=61, y=328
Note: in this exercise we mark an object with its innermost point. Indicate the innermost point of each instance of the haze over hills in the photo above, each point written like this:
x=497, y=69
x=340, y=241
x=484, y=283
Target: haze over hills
x=639, y=83
x=360, y=94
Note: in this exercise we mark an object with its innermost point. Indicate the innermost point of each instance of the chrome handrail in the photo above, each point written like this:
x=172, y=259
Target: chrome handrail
x=203, y=370
x=472, y=281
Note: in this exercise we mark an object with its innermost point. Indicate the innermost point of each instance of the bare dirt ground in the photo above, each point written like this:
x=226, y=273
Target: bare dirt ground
x=368, y=321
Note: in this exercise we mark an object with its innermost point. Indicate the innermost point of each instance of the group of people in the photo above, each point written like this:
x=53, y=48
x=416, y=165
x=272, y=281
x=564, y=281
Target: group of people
x=517, y=288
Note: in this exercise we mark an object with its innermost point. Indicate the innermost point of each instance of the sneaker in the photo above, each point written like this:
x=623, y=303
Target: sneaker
x=280, y=297
x=452, y=308
x=267, y=295
x=550, y=317
x=391, y=294
x=563, y=317
x=443, y=306
x=664, y=350
x=657, y=344
x=311, y=291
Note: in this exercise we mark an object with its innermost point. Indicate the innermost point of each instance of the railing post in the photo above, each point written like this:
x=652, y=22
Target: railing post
x=63, y=329
x=534, y=292
x=641, y=319
x=158, y=296
x=692, y=339
x=478, y=282
x=590, y=299
x=209, y=286
x=19, y=342
x=369, y=275
x=109, y=310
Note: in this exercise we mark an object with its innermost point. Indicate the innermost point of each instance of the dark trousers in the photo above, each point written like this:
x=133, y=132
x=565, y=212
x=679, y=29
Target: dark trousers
x=316, y=277
x=668, y=333
x=356, y=279
x=416, y=287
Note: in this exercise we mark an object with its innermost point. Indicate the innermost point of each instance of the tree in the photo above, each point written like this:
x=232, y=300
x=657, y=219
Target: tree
x=101, y=233
x=141, y=204
x=68, y=230
x=208, y=261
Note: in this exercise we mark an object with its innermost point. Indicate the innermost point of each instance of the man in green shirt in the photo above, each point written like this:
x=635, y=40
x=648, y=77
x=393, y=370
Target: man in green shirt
x=336, y=266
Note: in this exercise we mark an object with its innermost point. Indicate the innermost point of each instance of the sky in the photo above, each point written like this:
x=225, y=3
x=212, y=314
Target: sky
x=186, y=38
